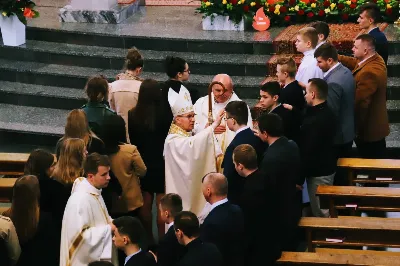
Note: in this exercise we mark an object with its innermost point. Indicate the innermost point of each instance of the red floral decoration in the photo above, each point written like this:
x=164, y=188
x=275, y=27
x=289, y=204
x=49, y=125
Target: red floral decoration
x=283, y=9
x=233, y=2
x=28, y=13
x=353, y=6
x=327, y=3
x=246, y=8
x=292, y=2
x=287, y=18
x=300, y=12
x=389, y=11
x=345, y=16
x=271, y=9
x=321, y=13
x=340, y=6
x=310, y=14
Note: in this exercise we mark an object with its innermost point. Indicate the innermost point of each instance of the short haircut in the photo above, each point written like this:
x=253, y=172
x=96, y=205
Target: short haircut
x=219, y=183
x=188, y=223
x=326, y=51
x=320, y=86
x=322, y=28
x=130, y=227
x=372, y=10
x=172, y=202
x=239, y=111
x=272, y=88
x=100, y=263
x=368, y=39
x=272, y=124
x=174, y=65
x=246, y=155
x=309, y=34
x=95, y=86
x=287, y=65
x=256, y=112
x=93, y=161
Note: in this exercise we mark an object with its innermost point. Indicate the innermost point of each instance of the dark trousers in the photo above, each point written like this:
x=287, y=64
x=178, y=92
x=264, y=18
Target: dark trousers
x=342, y=151
x=371, y=150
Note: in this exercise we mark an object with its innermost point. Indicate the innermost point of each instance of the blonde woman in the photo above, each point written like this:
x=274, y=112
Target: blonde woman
x=70, y=164
x=36, y=233
x=124, y=93
x=77, y=126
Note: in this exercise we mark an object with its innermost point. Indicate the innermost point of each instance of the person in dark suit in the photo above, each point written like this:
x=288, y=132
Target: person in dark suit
x=280, y=167
x=291, y=93
x=236, y=119
x=224, y=225
x=252, y=202
x=317, y=142
x=130, y=237
x=369, y=19
x=270, y=100
x=198, y=253
x=169, y=250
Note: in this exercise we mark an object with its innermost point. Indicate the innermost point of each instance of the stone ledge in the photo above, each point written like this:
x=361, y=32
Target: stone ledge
x=115, y=15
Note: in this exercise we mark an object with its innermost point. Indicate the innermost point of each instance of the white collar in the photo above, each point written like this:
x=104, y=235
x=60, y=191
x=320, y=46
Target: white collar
x=130, y=256
x=318, y=45
x=81, y=184
x=372, y=29
x=332, y=68
x=170, y=224
x=366, y=59
x=241, y=129
x=220, y=202
x=289, y=83
x=275, y=108
x=309, y=52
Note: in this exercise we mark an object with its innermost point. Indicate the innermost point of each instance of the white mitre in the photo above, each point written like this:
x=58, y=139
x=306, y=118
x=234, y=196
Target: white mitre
x=180, y=103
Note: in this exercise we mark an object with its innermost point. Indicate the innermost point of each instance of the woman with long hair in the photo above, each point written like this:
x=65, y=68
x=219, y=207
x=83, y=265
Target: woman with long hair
x=124, y=92
x=147, y=131
x=34, y=227
x=77, y=126
x=70, y=164
x=41, y=164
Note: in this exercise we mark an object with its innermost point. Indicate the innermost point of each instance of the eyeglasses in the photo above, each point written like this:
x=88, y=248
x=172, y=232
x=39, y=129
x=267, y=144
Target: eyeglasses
x=188, y=116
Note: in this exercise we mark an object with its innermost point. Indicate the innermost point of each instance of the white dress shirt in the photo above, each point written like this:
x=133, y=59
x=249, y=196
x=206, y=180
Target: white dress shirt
x=330, y=70
x=130, y=256
x=241, y=129
x=318, y=45
x=308, y=68
x=216, y=204
x=366, y=59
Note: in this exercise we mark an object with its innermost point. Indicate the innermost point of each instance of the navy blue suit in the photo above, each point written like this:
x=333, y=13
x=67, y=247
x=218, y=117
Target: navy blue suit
x=224, y=227
x=169, y=251
x=381, y=44
x=235, y=181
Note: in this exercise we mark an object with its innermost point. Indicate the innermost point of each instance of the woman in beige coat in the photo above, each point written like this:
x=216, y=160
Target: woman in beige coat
x=127, y=166
x=124, y=92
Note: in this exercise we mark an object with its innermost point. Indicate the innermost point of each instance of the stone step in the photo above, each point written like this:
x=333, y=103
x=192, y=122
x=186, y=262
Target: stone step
x=32, y=127
x=114, y=58
x=76, y=78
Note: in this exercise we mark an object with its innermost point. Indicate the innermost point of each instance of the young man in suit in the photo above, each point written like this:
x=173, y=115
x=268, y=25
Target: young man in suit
x=369, y=19
x=224, y=225
x=371, y=117
x=341, y=91
x=169, y=250
x=291, y=93
x=198, y=253
x=270, y=100
x=129, y=236
x=236, y=119
x=316, y=142
x=280, y=167
x=253, y=201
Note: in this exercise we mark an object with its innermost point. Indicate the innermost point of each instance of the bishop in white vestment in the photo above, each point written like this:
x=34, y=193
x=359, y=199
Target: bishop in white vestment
x=86, y=234
x=188, y=158
x=219, y=101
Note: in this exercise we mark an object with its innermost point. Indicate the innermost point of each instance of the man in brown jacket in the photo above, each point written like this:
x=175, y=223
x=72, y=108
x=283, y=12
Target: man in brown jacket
x=371, y=117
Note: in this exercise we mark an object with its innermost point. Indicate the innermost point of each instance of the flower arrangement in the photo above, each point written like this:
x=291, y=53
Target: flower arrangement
x=21, y=8
x=286, y=12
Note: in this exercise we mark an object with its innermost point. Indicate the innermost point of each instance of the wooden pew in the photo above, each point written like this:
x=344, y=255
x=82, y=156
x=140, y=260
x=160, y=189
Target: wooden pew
x=13, y=163
x=6, y=189
x=356, y=251
x=351, y=232
x=307, y=258
x=358, y=199
x=372, y=170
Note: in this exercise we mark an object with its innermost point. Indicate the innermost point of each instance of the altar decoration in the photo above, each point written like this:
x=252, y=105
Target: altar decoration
x=13, y=18
x=288, y=12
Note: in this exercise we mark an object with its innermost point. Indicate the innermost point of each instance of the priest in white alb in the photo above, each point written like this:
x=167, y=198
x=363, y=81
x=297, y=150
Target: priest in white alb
x=220, y=99
x=188, y=158
x=87, y=228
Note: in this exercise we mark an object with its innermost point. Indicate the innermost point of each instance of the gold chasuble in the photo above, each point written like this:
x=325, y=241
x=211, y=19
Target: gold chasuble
x=86, y=234
x=187, y=160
